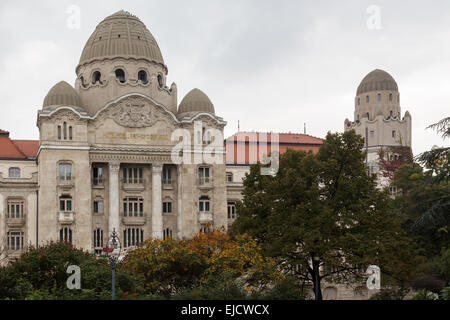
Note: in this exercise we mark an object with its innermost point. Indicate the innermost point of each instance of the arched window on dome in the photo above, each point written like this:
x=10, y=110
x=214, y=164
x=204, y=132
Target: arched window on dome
x=359, y=100
x=97, y=77
x=142, y=76
x=367, y=98
x=160, y=81
x=390, y=96
x=368, y=116
x=391, y=114
x=82, y=82
x=120, y=75
x=65, y=130
x=379, y=97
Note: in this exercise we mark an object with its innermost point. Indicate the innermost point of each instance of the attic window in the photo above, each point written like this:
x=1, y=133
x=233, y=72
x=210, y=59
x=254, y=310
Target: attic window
x=96, y=77
x=120, y=75
x=142, y=76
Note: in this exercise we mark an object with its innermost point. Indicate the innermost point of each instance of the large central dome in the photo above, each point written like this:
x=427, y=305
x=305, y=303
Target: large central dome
x=121, y=35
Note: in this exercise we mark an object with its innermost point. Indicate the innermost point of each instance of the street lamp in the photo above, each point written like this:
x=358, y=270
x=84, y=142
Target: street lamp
x=113, y=250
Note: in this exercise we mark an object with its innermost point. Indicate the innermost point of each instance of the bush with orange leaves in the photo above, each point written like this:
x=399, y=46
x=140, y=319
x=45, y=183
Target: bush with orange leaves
x=171, y=266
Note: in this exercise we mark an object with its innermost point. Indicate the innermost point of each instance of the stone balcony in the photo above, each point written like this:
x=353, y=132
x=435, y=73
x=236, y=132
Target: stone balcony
x=15, y=222
x=66, y=217
x=134, y=221
x=138, y=185
x=205, y=217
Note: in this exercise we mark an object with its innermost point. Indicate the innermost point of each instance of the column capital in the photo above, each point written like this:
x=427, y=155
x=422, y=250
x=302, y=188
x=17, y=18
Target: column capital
x=114, y=166
x=157, y=167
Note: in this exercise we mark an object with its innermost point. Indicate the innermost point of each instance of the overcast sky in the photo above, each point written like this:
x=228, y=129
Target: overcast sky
x=273, y=65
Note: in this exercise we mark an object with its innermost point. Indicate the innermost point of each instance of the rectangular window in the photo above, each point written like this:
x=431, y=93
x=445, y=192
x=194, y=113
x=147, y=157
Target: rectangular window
x=133, y=207
x=231, y=210
x=393, y=133
x=98, y=176
x=203, y=175
x=167, y=207
x=15, y=209
x=65, y=204
x=167, y=176
x=14, y=173
x=65, y=172
x=98, y=206
x=133, y=175
x=132, y=237
x=372, y=134
x=15, y=240
x=229, y=177
x=203, y=204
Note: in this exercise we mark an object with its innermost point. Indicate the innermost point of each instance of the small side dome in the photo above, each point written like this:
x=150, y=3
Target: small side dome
x=62, y=94
x=196, y=101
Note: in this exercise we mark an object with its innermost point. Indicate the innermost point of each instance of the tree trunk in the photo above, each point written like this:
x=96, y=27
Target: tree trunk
x=316, y=277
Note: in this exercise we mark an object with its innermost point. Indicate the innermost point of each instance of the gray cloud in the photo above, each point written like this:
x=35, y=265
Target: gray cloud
x=272, y=65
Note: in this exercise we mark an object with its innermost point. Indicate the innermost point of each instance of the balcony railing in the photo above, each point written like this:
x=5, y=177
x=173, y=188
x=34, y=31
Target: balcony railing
x=205, y=217
x=15, y=222
x=134, y=184
x=66, y=217
x=134, y=221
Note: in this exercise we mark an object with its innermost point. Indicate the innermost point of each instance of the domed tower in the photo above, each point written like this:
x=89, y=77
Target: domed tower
x=195, y=102
x=122, y=57
x=377, y=116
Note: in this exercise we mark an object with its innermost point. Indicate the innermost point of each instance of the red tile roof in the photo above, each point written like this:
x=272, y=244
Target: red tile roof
x=28, y=147
x=17, y=149
x=249, y=147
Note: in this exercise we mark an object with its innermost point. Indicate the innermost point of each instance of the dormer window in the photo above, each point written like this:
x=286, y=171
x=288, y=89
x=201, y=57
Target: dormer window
x=120, y=75
x=96, y=77
x=142, y=76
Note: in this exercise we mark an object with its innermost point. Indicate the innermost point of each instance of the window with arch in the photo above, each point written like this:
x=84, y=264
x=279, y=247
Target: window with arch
x=368, y=116
x=167, y=233
x=97, y=77
x=65, y=172
x=390, y=96
x=160, y=81
x=133, y=207
x=65, y=203
x=14, y=173
x=205, y=229
x=379, y=97
x=65, y=132
x=120, y=75
x=65, y=235
x=98, y=239
x=142, y=76
x=204, y=204
x=15, y=240
x=15, y=209
x=132, y=237
x=367, y=98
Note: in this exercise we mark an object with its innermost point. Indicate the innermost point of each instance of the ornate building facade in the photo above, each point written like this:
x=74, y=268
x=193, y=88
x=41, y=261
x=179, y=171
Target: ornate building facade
x=105, y=159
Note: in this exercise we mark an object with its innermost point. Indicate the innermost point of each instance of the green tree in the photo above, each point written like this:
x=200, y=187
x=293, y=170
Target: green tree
x=325, y=211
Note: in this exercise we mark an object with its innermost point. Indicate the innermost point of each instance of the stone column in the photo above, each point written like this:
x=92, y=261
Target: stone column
x=114, y=201
x=157, y=219
x=180, y=202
